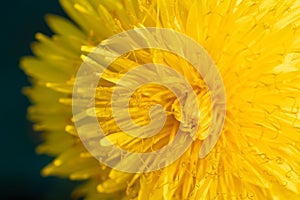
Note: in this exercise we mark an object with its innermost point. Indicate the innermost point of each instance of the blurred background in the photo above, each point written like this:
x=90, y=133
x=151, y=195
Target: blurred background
x=19, y=165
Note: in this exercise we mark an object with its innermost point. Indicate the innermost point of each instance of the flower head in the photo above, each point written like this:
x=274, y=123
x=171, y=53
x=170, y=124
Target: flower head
x=255, y=47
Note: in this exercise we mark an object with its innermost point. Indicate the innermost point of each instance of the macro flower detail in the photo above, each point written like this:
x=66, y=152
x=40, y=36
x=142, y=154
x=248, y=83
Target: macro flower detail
x=140, y=81
x=253, y=44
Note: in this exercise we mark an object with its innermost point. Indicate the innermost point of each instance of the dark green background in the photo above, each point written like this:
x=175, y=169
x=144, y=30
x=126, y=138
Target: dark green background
x=19, y=165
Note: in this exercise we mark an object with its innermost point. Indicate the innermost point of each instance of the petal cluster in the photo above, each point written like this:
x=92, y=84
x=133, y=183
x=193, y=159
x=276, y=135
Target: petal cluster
x=256, y=47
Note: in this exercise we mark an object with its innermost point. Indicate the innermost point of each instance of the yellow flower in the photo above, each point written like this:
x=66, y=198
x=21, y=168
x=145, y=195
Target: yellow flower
x=256, y=47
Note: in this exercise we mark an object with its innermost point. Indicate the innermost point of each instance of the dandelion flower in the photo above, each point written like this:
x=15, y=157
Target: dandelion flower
x=256, y=48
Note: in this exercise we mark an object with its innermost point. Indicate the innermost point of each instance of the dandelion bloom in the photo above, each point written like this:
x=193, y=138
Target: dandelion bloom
x=256, y=48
